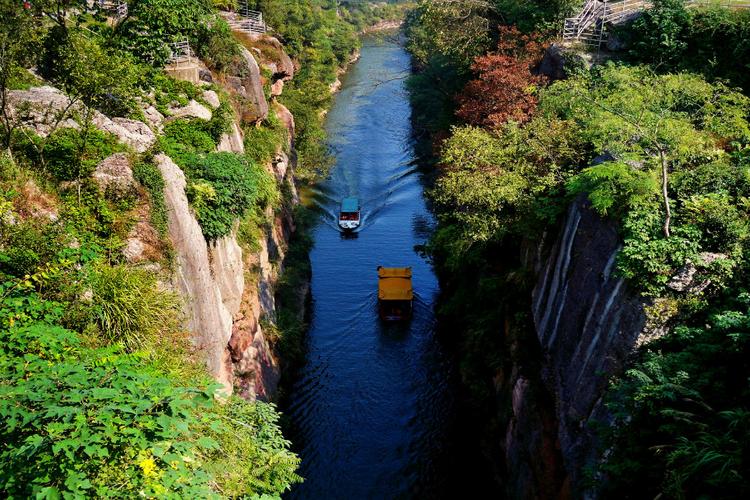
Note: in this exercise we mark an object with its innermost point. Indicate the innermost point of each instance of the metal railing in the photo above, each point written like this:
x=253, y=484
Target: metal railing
x=180, y=53
x=590, y=25
x=117, y=9
x=248, y=20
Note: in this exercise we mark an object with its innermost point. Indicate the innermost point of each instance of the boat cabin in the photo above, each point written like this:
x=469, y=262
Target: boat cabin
x=395, y=293
x=349, y=216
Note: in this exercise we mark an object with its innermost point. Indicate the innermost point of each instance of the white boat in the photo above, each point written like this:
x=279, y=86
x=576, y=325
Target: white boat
x=349, y=215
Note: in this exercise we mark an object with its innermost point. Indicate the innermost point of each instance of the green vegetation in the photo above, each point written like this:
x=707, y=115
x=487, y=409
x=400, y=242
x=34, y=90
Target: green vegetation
x=688, y=397
x=95, y=421
x=709, y=41
x=660, y=144
x=223, y=187
x=321, y=42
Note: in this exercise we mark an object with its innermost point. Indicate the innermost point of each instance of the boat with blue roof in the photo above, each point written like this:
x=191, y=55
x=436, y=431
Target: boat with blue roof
x=349, y=215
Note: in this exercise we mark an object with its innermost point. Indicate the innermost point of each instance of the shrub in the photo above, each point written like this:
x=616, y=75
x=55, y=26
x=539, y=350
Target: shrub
x=150, y=177
x=504, y=89
x=261, y=143
x=238, y=186
x=661, y=30
x=128, y=305
x=184, y=137
x=153, y=23
x=97, y=422
x=70, y=155
x=649, y=260
x=26, y=246
x=709, y=41
x=723, y=225
x=615, y=185
x=256, y=459
x=217, y=47
x=167, y=90
x=83, y=422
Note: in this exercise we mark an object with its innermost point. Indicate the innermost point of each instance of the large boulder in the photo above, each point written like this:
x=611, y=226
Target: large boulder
x=115, y=175
x=212, y=98
x=246, y=83
x=38, y=109
x=280, y=63
x=154, y=119
x=194, y=109
x=558, y=60
x=134, y=133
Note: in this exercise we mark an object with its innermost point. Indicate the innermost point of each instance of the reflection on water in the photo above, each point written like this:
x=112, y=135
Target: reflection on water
x=371, y=410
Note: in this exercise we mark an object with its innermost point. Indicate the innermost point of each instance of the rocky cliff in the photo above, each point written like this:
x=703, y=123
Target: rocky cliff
x=227, y=290
x=585, y=323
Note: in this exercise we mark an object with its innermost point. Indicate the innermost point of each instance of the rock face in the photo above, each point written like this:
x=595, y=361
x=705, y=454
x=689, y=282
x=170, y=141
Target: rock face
x=209, y=319
x=115, y=174
x=246, y=84
x=587, y=323
x=38, y=108
x=224, y=310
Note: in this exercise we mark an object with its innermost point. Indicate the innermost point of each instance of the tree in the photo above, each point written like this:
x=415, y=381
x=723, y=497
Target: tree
x=458, y=30
x=92, y=77
x=19, y=36
x=669, y=120
x=504, y=89
x=151, y=24
x=59, y=11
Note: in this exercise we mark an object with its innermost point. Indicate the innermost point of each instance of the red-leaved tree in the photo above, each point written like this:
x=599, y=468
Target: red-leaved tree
x=503, y=90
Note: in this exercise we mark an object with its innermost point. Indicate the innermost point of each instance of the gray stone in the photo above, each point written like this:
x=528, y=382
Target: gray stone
x=194, y=109
x=212, y=98
x=114, y=173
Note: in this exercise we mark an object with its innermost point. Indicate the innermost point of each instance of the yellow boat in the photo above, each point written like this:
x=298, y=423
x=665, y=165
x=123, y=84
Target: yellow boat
x=395, y=293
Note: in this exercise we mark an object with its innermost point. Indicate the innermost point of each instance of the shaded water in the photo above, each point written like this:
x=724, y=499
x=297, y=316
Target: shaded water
x=372, y=409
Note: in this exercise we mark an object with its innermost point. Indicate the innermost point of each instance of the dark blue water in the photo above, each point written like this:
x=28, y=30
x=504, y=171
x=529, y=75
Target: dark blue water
x=372, y=408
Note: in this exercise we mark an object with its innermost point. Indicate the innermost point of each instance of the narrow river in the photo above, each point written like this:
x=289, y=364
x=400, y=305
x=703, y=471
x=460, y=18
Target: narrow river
x=372, y=410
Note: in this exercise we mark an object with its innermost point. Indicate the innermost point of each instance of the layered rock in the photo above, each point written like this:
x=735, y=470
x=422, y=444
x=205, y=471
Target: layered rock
x=586, y=324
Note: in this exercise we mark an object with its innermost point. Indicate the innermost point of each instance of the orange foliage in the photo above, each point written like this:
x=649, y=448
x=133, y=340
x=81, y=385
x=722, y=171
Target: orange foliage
x=503, y=89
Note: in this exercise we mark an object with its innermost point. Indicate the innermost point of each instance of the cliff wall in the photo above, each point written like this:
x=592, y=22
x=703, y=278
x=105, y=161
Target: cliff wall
x=586, y=322
x=228, y=290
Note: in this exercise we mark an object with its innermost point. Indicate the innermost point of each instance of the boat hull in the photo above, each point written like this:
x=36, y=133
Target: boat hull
x=348, y=225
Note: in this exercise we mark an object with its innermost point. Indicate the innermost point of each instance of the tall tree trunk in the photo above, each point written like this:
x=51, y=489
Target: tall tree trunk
x=665, y=193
